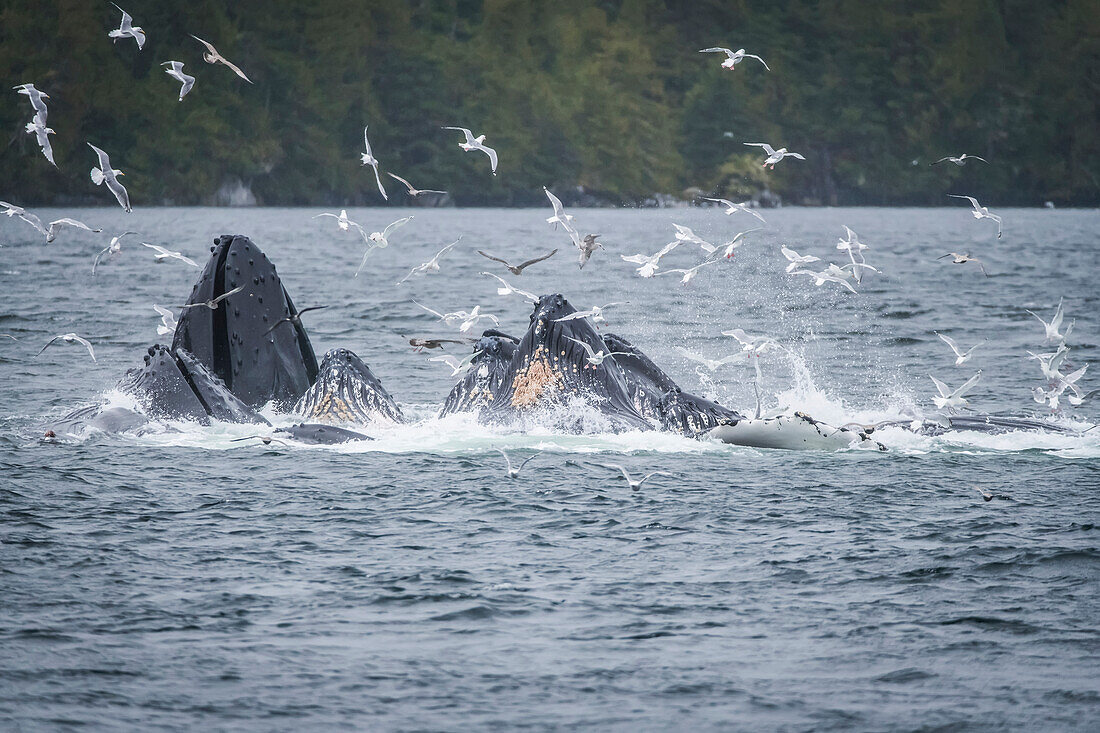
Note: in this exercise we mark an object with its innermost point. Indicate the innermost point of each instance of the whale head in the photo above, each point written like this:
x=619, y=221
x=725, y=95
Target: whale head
x=346, y=391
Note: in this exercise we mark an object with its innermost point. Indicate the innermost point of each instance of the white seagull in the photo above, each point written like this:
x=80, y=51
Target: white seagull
x=36, y=96
x=774, y=156
x=472, y=318
x=960, y=161
x=1051, y=364
x=595, y=358
x=42, y=134
x=343, y=223
x=213, y=304
x=1058, y=386
x=127, y=29
x=728, y=247
x=211, y=56
x=824, y=277
x=958, y=259
x=167, y=321
x=649, y=262
x=108, y=175
x=980, y=212
x=513, y=471
x=431, y=265
x=110, y=250
x=710, y=364
x=176, y=72
x=752, y=345
x=733, y=57
x=732, y=208
x=1052, y=334
x=414, y=192
x=685, y=234
x=457, y=367
x=688, y=273
x=796, y=259
x=595, y=312
x=961, y=356
x=852, y=243
x=476, y=143
x=379, y=240
x=506, y=289
x=71, y=338
x=369, y=159
x=163, y=254
x=953, y=398
x=559, y=217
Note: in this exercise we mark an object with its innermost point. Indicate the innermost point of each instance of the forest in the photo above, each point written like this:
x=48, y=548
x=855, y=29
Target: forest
x=610, y=98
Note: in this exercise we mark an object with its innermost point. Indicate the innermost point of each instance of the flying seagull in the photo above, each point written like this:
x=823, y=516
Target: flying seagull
x=213, y=57
x=960, y=161
x=380, y=239
x=295, y=318
x=959, y=259
x=71, y=338
x=457, y=367
x=710, y=364
x=649, y=262
x=36, y=98
x=949, y=398
x=414, y=192
x=176, y=72
x=688, y=273
x=517, y=269
x=730, y=246
x=163, y=254
x=42, y=134
x=127, y=29
x=513, y=471
x=431, y=265
x=476, y=143
x=167, y=321
x=732, y=208
x=595, y=358
x=733, y=57
x=774, y=156
x=108, y=175
x=796, y=259
x=419, y=344
x=110, y=250
x=587, y=247
x=824, y=277
x=1051, y=328
x=559, y=217
x=980, y=212
x=635, y=485
x=595, y=312
x=961, y=357
x=213, y=304
x=369, y=159
x=506, y=289
x=343, y=222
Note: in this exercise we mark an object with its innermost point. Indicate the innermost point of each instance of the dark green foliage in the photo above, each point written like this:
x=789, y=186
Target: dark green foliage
x=610, y=95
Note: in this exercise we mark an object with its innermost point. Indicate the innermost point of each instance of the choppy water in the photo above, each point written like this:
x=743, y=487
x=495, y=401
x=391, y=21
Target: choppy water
x=181, y=580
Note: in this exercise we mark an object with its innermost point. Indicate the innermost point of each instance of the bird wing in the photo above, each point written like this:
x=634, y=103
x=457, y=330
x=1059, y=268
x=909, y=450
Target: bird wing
x=753, y=56
x=469, y=135
x=492, y=156
x=975, y=157
x=160, y=250
x=95, y=262
x=120, y=193
x=395, y=225
x=126, y=19
x=366, y=142
x=506, y=459
x=447, y=359
x=495, y=259
x=434, y=313
x=724, y=202
x=48, y=344
x=767, y=148
x=973, y=201
x=941, y=160
x=66, y=221
x=967, y=385
x=236, y=69
x=717, y=49
x=636, y=259
x=588, y=349
x=942, y=388
x=209, y=47
x=227, y=293
x=104, y=160
x=528, y=263
x=951, y=343
x=559, y=210
x=793, y=155
x=378, y=180
x=183, y=258
x=164, y=312
x=391, y=175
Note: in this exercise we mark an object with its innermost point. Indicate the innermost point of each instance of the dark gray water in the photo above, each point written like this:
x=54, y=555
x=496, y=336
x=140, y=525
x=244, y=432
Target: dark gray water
x=184, y=581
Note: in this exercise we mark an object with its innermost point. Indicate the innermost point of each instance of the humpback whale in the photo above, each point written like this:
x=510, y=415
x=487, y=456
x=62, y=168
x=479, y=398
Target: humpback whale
x=346, y=391
x=494, y=352
x=234, y=340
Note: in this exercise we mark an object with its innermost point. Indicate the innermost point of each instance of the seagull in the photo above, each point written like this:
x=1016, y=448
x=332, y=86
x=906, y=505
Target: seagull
x=985, y=494
x=506, y=289
x=266, y=439
x=595, y=358
x=369, y=159
x=378, y=240
x=163, y=254
x=419, y=344
x=732, y=208
x=852, y=243
x=42, y=134
x=127, y=29
x=559, y=217
x=752, y=345
x=106, y=174
x=517, y=269
x=176, y=72
x=476, y=143
x=451, y=319
x=688, y=273
x=635, y=485
x=213, y=57
x=1052, y=334
x=213, y=304
x=13, y=210
x=961, y=356
x=587, y=247
x=959, y=161
x=796, y=259
x=963, y=259
x=733, y=57
x=111, y=249
x=731, y=245
x=980, y=212
x=343, y=222
x=684, y=234
x=513, y=472
x=649, y=262
x=953, y=398
x=824, y=277
x=472, y=318
x=595, y=312
x=774, y=156
x=431, y=265
x=295, y=318
x=1051, y=364
x=710, y=364
x=55, y=226
x=457, y=367
x=36, y=96
x=167, y=321
x=859, y=266
x=414, y=192
x=71, y=338
x=1059, y=386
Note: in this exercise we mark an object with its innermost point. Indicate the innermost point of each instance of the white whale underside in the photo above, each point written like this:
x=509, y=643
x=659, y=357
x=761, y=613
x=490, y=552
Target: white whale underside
x=791, y=432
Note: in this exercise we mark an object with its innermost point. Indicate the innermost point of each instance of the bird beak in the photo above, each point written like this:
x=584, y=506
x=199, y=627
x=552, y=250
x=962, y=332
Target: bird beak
x=121, y=173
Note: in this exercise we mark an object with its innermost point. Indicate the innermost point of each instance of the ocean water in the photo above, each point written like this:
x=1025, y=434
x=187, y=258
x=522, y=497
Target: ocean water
x=180, y=580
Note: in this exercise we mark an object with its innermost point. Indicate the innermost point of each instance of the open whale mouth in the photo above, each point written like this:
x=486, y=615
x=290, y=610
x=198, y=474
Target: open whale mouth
x=346, y=391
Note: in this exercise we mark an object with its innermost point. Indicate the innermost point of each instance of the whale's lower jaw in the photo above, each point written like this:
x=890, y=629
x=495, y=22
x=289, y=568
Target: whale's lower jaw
x=792, y=432
x=347, y=392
